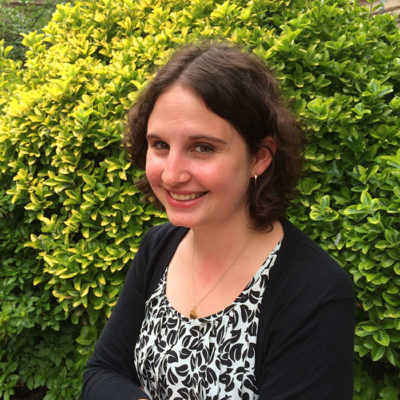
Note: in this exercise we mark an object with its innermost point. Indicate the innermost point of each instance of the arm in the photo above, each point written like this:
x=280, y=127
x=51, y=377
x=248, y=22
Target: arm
x=306, y=328
x=312, y=359
x=110, y=372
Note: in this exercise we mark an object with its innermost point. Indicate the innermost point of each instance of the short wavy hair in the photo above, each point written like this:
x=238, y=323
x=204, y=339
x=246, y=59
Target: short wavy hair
x=240, y=88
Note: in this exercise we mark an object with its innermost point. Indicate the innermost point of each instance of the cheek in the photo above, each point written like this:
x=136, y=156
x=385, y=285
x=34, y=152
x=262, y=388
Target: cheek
x=213, y=176
x=153, y=170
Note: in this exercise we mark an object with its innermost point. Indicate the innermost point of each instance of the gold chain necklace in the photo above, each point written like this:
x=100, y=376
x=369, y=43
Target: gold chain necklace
x=193, y=311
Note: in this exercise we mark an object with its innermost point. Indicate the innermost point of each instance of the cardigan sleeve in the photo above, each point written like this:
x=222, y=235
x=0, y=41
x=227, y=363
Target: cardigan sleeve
x=305, y=338
x=313, y=359
x=110, y=373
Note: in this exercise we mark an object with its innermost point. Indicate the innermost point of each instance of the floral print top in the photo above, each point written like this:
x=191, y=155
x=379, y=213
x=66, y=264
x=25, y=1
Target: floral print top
x=206, y=358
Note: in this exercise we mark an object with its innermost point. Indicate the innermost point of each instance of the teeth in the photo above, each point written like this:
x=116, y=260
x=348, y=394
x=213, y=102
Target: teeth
x=190, y=196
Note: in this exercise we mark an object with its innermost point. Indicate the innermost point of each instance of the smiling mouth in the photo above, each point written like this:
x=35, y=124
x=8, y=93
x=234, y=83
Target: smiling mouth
x=185, y=197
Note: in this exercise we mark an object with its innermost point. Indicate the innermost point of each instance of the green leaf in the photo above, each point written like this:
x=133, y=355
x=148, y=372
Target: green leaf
x=382, y=338
x=366, y=199
x=377, y=352
x=87, y=336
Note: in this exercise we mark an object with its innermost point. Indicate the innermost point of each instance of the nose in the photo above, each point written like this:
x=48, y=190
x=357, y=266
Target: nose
x=175, y=170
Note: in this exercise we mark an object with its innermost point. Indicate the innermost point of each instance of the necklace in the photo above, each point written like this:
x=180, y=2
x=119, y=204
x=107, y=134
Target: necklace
x=193, y=311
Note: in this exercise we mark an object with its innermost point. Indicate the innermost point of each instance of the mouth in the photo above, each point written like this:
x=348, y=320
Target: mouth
x=185, y=197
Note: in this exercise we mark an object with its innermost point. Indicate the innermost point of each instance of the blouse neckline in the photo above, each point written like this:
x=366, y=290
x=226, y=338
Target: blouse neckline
x=226, y=310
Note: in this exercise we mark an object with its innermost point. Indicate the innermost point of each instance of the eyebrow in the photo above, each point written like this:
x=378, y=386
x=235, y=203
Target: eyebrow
x=193, y=138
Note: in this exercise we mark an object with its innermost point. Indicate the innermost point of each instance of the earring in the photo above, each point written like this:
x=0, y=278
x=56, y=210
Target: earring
x=255, y=179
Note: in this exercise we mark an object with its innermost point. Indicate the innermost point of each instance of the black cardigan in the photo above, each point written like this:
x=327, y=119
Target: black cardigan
x=305, y=338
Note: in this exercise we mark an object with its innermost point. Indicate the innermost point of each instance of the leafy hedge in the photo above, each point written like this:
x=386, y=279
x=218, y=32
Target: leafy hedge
x=71, y=218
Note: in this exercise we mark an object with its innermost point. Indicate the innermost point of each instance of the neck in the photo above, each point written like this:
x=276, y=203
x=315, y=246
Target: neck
x=225, y=253
x=215, y=248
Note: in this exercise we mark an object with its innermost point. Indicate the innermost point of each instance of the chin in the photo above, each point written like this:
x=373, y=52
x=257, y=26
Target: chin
x=185, y=222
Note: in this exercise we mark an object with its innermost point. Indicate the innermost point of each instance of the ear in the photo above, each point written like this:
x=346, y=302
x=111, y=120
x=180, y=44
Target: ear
x=264, y=156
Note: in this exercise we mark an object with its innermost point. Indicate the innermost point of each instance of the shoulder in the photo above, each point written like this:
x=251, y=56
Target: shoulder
x=162, y=237
x=304, y=284
x=165, y=230
x=155, y=252
x=304, y=275
x=303, y=264
x=306, y=323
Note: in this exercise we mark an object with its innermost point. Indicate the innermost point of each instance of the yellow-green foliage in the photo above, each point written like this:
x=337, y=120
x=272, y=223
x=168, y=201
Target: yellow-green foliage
x=71, y=218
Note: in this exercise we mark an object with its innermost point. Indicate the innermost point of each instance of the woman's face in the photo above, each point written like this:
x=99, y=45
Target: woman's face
x=197, y=164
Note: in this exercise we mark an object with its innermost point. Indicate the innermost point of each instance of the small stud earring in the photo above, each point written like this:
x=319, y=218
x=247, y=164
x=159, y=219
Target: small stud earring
x=255, y=179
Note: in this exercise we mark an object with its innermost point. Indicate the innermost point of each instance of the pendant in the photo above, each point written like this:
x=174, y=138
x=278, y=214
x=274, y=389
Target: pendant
x=193, y=313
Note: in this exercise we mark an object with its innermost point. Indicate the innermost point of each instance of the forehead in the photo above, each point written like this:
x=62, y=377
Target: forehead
x=181, y=109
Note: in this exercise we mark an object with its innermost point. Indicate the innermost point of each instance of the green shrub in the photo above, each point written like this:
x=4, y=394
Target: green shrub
x=71, y=218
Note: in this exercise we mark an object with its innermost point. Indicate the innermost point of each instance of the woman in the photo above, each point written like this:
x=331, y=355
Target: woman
x=228, y=300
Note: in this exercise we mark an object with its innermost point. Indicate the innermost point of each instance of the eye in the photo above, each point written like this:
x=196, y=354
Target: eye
x=204, y=148
x=160, y=145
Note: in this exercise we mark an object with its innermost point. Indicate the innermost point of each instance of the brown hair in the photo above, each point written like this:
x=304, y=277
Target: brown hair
x=240, y=88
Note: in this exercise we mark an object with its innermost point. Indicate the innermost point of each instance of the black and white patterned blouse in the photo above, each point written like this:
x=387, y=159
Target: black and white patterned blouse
x=206, y=358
